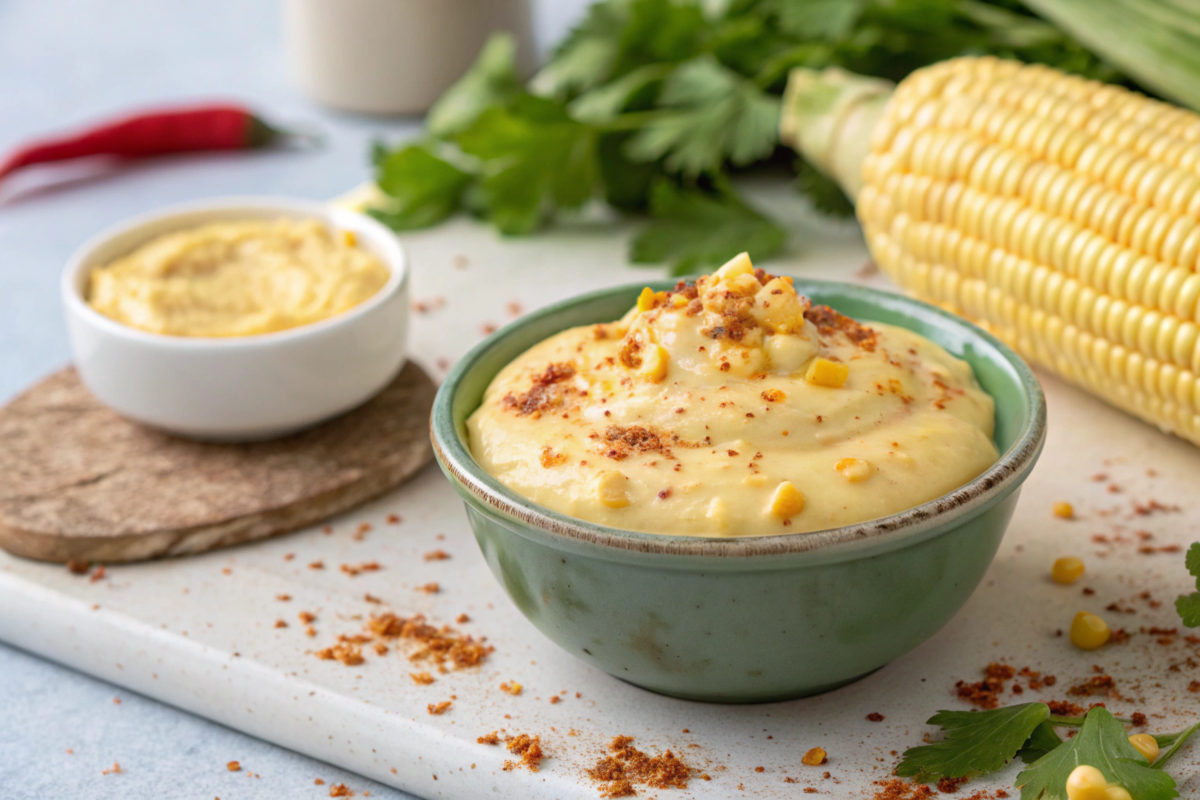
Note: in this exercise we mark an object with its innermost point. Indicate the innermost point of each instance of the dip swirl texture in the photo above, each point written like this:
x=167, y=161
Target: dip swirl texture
x=238, y=278
x=733, y=407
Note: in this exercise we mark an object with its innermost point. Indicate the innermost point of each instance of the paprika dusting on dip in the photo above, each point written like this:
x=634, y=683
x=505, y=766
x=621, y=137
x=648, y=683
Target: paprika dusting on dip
x=237, y=278
x=732, y=406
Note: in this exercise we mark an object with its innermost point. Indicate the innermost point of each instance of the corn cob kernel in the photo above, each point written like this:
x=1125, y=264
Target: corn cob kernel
x=1086, y=783
x=830, y=374
x=787, y=501
x=1064, y=510
x=655, y=362
x=1067, y=569
x=1145, y=744
x=738, y=265
x=1088, y=631
x=610, y=489
x=854, y=469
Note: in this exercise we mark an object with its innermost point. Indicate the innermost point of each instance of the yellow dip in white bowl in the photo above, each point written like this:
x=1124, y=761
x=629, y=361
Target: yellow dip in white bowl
x=733, y=407
x=237, y=278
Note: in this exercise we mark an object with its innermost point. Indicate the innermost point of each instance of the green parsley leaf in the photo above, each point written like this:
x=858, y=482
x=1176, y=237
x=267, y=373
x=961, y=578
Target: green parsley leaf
x=816, y=19
x=618, y=36
x=692, y=229
x=586, y=57
x=1188, y=605
x=711, y=115
x=1043, y=739
x=422, y=188
x=1103, y=743
x=535, y=158
x=626, y=183
x=603, y=103
x=491, y=81
x=975, y=742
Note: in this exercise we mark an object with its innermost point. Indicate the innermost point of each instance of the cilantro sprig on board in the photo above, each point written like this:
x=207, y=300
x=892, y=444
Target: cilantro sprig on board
x=652, y=105
x=981, y=742
x=1188, y=605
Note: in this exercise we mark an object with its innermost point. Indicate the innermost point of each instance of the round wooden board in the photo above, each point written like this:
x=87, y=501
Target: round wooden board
x=81, y=483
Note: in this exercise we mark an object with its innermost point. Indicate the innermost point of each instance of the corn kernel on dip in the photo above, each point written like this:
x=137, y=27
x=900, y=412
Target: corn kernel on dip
x=733, y=407
x=237, y=278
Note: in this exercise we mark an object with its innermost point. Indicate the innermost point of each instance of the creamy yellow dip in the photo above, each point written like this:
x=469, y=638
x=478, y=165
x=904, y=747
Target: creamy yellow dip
x=733, y=407
x=237, y=279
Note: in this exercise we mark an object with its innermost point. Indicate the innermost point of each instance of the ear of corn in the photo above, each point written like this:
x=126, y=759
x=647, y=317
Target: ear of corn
x=1059, y=213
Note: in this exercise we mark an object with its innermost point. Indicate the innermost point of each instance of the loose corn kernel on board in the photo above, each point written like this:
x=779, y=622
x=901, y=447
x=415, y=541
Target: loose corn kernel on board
x=200, y=633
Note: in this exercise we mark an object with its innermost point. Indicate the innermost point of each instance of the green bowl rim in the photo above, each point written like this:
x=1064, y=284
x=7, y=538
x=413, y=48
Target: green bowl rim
x=898, y=529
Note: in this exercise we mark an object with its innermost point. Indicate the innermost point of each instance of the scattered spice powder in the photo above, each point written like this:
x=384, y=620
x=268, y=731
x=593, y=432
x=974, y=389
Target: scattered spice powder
x=875, y=716
x=307, y=617
x=985, y=694
x=318, y=564
x=438, y=709
x=626, y=765
x=348, y=654
x=98, y=575
x=280, y=623
x=79, y=567
x=512, y=688
x=1097, y=684
x=489, y=738
x=1065, y=708
x=233, y=766
x=370, y=598
x=283, y=598
x=950, y=785
x=115, y=769
x=393, y=519
x=440, y=645
x=437, y=555
x=529, y=748
x=368, y=566
x=897, y=789
x=340, y=790
x=421, y=678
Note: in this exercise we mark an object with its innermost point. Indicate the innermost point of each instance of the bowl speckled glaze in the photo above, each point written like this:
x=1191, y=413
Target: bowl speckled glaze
x=745, y=619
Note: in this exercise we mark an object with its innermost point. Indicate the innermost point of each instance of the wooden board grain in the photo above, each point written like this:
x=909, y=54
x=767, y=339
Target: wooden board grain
x=79, y=482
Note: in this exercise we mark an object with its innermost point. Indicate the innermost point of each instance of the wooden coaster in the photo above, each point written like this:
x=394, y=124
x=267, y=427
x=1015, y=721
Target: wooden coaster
x=79, y=482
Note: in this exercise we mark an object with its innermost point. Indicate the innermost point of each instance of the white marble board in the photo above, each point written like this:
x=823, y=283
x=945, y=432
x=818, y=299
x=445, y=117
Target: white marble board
x=199, y=632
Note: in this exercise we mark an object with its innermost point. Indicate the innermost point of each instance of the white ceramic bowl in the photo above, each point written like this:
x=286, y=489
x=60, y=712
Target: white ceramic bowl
x=238, y=388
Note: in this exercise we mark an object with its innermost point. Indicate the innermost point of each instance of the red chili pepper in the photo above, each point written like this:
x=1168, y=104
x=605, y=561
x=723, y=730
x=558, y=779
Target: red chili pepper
x=180, y=130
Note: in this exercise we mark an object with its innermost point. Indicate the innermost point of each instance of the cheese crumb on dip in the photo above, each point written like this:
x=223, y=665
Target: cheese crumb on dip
x=237, y=278
x=733, y=407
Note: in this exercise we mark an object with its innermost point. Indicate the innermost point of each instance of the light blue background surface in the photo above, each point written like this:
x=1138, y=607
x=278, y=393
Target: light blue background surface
x=64, y=62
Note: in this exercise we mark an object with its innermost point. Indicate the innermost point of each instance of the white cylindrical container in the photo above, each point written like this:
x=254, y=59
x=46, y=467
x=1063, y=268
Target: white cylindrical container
x=394, y=56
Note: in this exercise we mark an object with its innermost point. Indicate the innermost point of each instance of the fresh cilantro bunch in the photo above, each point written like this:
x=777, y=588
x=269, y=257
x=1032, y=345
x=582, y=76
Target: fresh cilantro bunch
x=652, y=106
x=979, y=742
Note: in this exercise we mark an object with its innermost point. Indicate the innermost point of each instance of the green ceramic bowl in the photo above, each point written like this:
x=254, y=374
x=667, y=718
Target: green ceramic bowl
x=745, y=619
